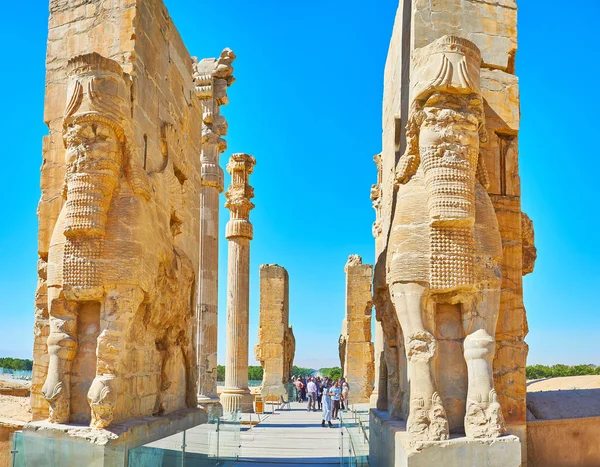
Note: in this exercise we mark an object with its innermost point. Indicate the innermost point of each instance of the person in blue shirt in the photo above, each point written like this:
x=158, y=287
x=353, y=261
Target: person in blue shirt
x=336, y=393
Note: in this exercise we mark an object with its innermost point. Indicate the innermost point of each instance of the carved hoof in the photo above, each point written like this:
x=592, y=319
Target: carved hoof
x=52, y=389
x=427, y=420
x=484, y=417
x=54, y=392
x=102, y=398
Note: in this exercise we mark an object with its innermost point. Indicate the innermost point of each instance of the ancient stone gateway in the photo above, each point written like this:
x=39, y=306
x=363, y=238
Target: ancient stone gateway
x=447, y=285
x=104, y=285
x=355, y=346
x=276, y=344
x=132, y=152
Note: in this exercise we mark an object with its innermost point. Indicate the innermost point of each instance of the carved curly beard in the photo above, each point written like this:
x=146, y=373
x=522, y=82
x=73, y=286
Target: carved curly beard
x=449, y=171
x=89, y=193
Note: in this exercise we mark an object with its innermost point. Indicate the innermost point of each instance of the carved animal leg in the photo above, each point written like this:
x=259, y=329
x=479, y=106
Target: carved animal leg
x=118, y=313
x=62, y=346
x=483, y=418
x=191, y=373
x=427, y=418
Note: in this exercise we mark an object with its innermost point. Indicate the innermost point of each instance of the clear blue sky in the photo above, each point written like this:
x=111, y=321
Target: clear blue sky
x=307, y=104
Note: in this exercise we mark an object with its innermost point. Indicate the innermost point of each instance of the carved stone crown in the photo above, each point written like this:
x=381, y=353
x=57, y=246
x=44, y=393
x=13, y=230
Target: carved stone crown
x=456, y=44
x=449, y=64
x=98, y=90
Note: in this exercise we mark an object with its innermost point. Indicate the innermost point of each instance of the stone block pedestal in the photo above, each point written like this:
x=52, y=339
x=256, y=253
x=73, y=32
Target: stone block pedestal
x=389, y=447
x=57, y=445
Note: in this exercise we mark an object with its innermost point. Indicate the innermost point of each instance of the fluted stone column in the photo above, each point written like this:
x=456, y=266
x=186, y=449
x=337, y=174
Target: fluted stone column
x=378, y=357
x=211, y=77
x=236, y=395
x=378, y=340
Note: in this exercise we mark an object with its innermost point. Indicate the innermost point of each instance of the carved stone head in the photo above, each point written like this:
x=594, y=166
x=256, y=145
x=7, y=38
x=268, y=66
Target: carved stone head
x=94, y=131
x=445, y=128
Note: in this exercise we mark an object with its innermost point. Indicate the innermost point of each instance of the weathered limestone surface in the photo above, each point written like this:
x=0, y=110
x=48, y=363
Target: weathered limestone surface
x=563, y=422
x=449, y=216
x=76, y=446
x=355, y=346
x=276, y=344
x=118, y=243
x=390, y=440
x=212, y=77
x=239, y=232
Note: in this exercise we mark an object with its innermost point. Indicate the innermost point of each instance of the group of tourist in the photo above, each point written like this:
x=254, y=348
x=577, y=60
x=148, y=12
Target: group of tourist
x=328, y=395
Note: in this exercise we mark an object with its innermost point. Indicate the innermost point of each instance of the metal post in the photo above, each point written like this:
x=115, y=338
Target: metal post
x=183, y=446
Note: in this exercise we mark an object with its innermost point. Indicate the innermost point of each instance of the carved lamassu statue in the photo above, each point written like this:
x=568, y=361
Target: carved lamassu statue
x=119, y=291
x=445, y=249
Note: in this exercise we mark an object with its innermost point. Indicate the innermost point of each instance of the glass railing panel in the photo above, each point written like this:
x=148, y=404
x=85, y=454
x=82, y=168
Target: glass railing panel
x=354, y=443
x=30, y=449
x=215, y=443
x=166, y=452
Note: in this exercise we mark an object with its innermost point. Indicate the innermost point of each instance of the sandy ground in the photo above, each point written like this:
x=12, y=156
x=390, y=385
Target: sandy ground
x=14, y=411
x=561, y=384
x=15, y=408
x=563, y=398
x=7, y=383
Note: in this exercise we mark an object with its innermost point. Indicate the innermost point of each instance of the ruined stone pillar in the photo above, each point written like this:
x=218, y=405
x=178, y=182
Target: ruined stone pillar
x=356, y=348
x=236, y=395
x=211, y=79
x=276, y=344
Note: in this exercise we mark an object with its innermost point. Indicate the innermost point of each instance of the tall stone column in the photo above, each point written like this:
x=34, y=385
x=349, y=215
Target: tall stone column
x=236, y=395
x=378, y=339
x=211, y=78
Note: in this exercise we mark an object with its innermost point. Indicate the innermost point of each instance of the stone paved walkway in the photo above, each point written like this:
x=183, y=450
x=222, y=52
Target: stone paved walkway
x=290, y=437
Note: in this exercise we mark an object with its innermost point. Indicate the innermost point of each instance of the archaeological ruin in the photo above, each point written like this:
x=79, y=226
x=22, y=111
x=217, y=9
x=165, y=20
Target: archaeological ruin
x=212, y=77
x=276, y=344
x=127, y=307
x=355, y=343
x=449, y=259
x=130, y=161
x=236, y=394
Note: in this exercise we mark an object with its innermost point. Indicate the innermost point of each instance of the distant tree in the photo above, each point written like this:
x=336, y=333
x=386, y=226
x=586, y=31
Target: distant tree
x=560, y=370
x=220, y=372
x=255, y=373
x=299, y=371
x=16, y=363
x=333, y=372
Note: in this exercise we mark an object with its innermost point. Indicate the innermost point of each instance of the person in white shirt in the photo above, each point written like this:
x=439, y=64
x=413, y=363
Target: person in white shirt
x=311, y=388
x=326, y=405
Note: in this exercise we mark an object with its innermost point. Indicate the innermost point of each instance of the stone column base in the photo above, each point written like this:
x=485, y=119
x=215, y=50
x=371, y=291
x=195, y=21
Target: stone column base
x=237, y=399
x=58, y=445
x=208, y=399
x=389, y=447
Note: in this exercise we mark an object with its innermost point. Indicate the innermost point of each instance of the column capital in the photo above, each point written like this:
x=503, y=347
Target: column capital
x=239, y=194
